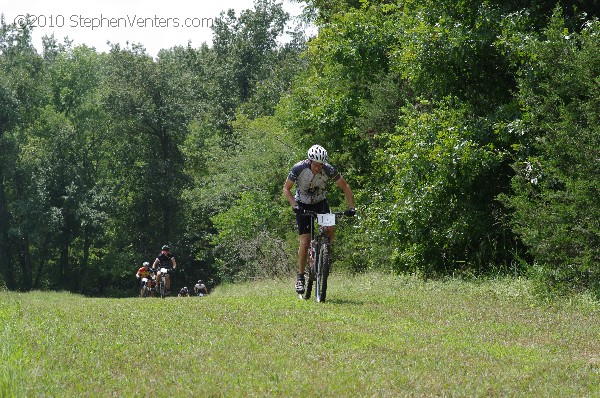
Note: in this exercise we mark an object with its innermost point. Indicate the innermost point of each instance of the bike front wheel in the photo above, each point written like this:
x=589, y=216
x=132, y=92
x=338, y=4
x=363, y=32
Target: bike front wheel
x=309, y=273
x=309, y=277
x=162, y=288
x=322, y=270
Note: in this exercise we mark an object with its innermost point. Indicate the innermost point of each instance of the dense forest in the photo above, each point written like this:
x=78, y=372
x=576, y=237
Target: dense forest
x=468, y=130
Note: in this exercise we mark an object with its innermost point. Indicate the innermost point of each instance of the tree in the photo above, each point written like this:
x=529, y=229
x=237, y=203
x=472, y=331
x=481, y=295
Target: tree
x=437, y=201
x=245, y=52
x=22, y=78
x=150, y=106
x=235, y=136
x=422, y=78
x=251, y=231
x=556, y=198
x=61, y=207
x=8, y=119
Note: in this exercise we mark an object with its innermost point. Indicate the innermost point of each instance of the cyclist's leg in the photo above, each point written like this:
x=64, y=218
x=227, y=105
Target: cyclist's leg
x=304, y=241
x=168, y=281
x=303, y=224
x=330, y=231
x=303, y=252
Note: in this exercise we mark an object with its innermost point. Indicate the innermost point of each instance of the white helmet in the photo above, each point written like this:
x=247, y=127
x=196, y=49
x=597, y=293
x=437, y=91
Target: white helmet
x=146, y=264
x=317, y=153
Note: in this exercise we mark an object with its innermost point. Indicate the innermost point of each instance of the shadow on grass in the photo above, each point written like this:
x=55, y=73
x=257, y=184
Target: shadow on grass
x=344, y=301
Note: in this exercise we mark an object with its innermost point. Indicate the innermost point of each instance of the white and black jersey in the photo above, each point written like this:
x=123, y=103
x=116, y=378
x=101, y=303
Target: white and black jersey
x=310, y=188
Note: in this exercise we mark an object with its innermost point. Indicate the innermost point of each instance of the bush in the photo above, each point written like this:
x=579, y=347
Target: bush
x=556, y=199
x=438, y=208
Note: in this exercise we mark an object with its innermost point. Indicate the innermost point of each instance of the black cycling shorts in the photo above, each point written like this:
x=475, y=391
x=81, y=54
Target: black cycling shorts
x=303, y=222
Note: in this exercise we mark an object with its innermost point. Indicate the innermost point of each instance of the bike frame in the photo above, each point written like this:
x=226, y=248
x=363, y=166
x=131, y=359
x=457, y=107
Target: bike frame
x=162, y=284
x=318, y=258
x=144, y=289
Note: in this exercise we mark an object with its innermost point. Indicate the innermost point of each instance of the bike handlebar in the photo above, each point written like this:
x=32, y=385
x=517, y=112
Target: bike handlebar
x=310, y=213
x=315, y=213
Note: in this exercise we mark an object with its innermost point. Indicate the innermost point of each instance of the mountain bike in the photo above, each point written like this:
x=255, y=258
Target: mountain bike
x=147, y=288
x=162, y=284
x=319, y=264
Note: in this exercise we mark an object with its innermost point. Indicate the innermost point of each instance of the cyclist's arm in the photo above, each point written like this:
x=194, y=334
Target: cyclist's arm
x=173, y=262
x=155, y=263
x=287, y=191
x=340, y=182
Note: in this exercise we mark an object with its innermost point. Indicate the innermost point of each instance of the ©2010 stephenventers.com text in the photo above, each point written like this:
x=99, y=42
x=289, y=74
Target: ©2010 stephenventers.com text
x=102, y=21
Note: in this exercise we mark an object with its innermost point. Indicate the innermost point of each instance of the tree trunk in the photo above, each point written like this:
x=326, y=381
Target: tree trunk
x=5, y=248
x=64, y=261
x=26, y=267
x=83, y=275
x=165, y=196
x=37, y=282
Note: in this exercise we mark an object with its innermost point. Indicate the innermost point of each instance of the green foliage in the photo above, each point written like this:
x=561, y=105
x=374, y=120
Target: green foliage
x=346, y=61
x=375, y=91
x=446, y=48
x=247, y=243
x=245, y=50
x=247, y=197
x=151, y=104
x=423, y=106
x=556, y=199
x=435, y=206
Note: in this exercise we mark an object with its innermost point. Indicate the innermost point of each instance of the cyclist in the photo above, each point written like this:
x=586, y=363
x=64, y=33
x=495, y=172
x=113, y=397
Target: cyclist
x=311, y=176
x=184, y=292
x=165, y=259
x=200, y=288
x=145, y=272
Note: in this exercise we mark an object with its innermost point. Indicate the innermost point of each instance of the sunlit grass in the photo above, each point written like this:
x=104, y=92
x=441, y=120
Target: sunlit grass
x=378, y=335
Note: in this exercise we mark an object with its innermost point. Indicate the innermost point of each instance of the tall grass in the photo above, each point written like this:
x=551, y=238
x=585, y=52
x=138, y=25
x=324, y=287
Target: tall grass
x=378, y=335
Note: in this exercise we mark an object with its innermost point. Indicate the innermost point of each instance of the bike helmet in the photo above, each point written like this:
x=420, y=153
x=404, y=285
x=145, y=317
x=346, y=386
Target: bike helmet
x=165, y=247
x=146, y=264
x=317, y=153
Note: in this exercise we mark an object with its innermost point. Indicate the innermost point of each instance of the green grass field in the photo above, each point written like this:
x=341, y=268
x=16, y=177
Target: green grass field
x=378, y=335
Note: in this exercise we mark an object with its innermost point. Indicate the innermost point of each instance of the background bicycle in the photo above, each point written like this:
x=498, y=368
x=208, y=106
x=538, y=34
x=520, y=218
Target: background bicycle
x=147, y=287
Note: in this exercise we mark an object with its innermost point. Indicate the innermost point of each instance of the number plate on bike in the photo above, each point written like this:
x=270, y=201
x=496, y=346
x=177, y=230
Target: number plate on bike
x=326, y=220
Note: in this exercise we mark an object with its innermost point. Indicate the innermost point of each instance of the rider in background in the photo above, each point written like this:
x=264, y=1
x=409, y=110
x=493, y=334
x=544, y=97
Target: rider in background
x=311, y=176
x=165, y=259
x=200, y=288
x=184, y=292
x=145, y=272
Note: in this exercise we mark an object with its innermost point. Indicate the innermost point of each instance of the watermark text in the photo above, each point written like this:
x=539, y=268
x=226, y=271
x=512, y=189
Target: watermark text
x=103, y=22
